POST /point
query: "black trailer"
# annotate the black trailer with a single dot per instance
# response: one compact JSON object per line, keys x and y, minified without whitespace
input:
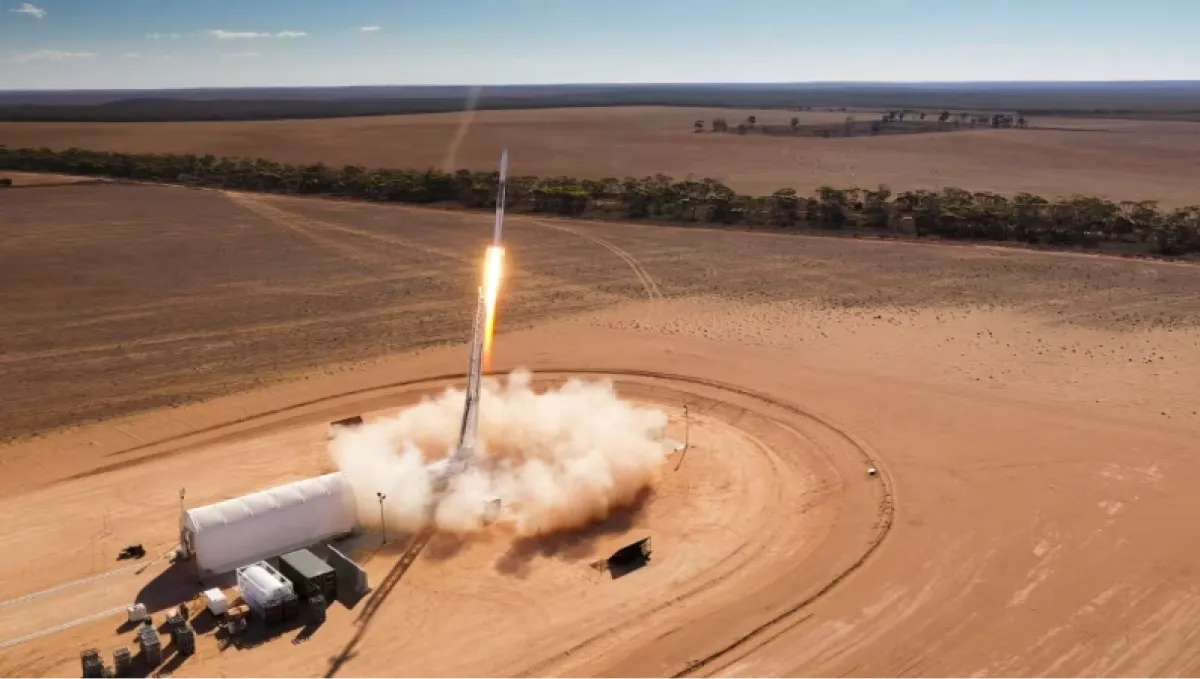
{"x":309,"y":574}
{"x":629,"y":558}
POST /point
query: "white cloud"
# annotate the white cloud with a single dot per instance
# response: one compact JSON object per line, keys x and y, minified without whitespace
{"x":370,"y":29}
{"x":222,"y":34}
{"x":30,"y":9}
{"x":50,"y":55}
{"x":235,"y":56}
{"x":162,"y":36}
{"x":132,"y":55}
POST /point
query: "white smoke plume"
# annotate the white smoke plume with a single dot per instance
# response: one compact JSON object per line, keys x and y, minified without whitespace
{"x":555,"y":460}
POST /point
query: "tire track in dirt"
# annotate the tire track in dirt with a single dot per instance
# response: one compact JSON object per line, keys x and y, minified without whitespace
{"x":643,"y":276}
{"x":131,"y":346}
{"x":316,"y":229}
{"x":304,"y":229}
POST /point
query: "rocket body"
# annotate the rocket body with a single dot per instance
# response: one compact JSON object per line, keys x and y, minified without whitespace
{"x":500,"y":190}
{"x":481,"y":328}
{"x":469,"y":429}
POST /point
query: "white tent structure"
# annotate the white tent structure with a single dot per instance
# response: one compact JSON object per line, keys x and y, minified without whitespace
{"x":237,"y":532}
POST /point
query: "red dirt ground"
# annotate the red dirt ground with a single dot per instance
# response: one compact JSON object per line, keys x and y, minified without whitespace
{"x":1033,"y":416}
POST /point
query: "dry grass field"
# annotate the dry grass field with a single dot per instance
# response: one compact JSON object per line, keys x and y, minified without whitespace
{"x":1033,"y":416}
{"x":1116,"y":159}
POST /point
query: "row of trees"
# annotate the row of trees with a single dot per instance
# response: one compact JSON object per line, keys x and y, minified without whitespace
{"x":950,"y":213}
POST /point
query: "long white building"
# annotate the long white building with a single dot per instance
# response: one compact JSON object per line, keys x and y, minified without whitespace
{"x":237,"y":532}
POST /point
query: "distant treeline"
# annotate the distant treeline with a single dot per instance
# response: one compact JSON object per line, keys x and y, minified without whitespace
{"x":1131,"y":99}
{"x":951,"y":213}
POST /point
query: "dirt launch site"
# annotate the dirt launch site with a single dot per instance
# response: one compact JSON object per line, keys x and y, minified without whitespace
{"x":1032,"y":417}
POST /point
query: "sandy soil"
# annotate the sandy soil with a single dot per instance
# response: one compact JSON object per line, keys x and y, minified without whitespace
{"x":1033,"y":415}
{"x":1119,"y":159}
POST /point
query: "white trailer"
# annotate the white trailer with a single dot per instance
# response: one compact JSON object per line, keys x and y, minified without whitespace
{"x":237,"y":532}
{"x":263,"y":586}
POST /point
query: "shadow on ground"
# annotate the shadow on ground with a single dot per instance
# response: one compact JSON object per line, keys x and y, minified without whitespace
{"x":375,"y":599}
{"x":573,"y":545}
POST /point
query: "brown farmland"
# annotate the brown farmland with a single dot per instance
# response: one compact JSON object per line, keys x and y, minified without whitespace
{"x":1033,"y":417}
{"x":1115,"y":159}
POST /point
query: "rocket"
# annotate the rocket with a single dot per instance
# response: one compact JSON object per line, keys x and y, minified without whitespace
{"x":464,"y":451}
{"x":500,"y":199}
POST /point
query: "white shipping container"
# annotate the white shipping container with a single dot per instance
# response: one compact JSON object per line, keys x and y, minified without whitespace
{"x":262,"y":586}
{"x":233,"y":533}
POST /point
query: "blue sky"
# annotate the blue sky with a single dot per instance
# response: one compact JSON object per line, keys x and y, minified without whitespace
{"x":53,"y":44}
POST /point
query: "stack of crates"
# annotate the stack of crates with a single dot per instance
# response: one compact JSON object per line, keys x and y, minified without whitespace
{"x":273,"y":613}
{"x":185,"y":640}
{"x":150,"y":644}
{"x":182,"y":634}
{"x":122,"y":662}
{"x":175,"y":620}
{"x":235,"y":626}
{"x":93,"y":666}
{"x":316,"y":605}
{"x":291,"y":606}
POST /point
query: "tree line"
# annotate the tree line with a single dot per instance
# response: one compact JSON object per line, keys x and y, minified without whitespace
{"x":950,"y":213}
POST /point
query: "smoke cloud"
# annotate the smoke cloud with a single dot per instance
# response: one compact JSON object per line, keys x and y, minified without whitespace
{"x":555,"y":460}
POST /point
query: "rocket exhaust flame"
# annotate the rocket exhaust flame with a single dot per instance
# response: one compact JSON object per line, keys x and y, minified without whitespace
{"x":493,"y":265}
{"x":493,"y":273}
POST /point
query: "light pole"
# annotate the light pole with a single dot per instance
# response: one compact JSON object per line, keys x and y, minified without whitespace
{"x":686,"y":427}
{"x":686,"y":437}
{"x":382,"y":525}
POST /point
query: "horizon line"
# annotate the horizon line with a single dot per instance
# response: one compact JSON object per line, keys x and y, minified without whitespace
{"x":910,"y":83}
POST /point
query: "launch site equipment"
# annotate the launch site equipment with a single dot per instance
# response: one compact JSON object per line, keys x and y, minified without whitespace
{"x":235,"y":627}
{"x":218,"y":603}
{"x":122,"y":662}
{"x":136,"y":612}
{"x":149,"y":644}
{"x":175,"y":620}
{"x":290,"y":606}
{"x":185,"y":640}
{"x":264,"y":589}
{"x":309,"y":574}
{"x":93,"y":666}
{"x":687,"y":427}
{"x":316,"y":607}
{"x":345,"y":423}
{"x":352,"y":579}
{"x":382,"y":522}
{"x":132,"y":552}
{"x":229,"y":534}
{"x":629,"y":558}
